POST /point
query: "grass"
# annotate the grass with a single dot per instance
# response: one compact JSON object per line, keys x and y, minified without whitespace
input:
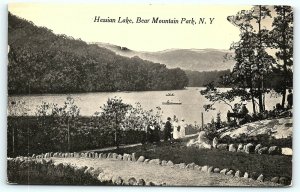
{"x":268,"y":165}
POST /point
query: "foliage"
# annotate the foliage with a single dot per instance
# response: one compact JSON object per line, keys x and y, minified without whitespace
{"x":42,"y":62}
{"x":200,"y":79}
{"x":255,"y":72}
{"x":215,"y":95}
{"x":60,"y":128}
{"x":282,"y":40}
{"x":116,"y":116}
{"x":30,"y":171}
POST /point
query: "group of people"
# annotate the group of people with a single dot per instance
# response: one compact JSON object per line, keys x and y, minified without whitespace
{"x":175,"y":130}
{"x":241,"y":113}
{"x":153,"y":130}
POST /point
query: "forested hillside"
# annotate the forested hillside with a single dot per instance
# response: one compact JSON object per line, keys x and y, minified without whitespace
{"x":200,"y":79}
{"x":43,"y":62}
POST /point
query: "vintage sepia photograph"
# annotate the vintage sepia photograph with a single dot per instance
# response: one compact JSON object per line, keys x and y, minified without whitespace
{"x":150,"y":95}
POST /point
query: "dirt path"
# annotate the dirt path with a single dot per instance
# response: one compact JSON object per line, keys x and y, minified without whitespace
{"x":127,"y":146}
{"x":161,"y":174}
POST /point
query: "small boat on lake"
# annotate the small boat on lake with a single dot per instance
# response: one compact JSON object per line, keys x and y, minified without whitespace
{"x":171,"y":103}
{"x":170,"y":94}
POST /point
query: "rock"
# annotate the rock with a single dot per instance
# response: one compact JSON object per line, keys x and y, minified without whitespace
{"x":260,"y":178}
{"x":215,"y":142}
{"x":257,"y":148}
{"x":120,"y":157}
{"x":232,"y":148}
{"x":155,"y":161}
{"x":204,"y":146}
{"x":249,"y":148}
{"x":246,"y":175}
{"x":238,"y":173}
{"x":108,"y":155}
{"x":117,"y":180}
{"x":222,"y":147}
{"x":240,"y":148}
{"x":284,"y":181}
{"x":115,"y":156}
{"x":133,"y":158}
{"x":201,"y":142}
{"x":104,"y":156}
{"x":104,"y":177}
{"x":275,"y":180}
{"x":132,"y":181}
{"x":274,"y":150}
{"x":141,"y":182}
{"x":170,"y":163}
{"x":141,"y":159}
{"x":204,"y":168}
{"x":151,"y":184}
{"x":191,"y":143}
{"x":96,"y":155}
{"x":33,"y":156}
{"x":164,"y":163}
{"x":100,"y":155}
{"x":146,"y":161}
{"x":202,"y":137}
{"x":210,"y":169}
{"x":216,"y":170}
{"x":182,"y":165}
{"x":129,"y":158}
{"x":286,"y":151}
{"x":197,"y":167}
{"x":190,"y":166}
{"x":224,"y":171}
{"x":125,"y":157}
{"x":263,"y":150}
{"x":230,"y":173}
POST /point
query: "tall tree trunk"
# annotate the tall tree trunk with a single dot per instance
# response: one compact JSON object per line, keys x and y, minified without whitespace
{"x":253,"y":100}
{"x":69,"y":146}
{"x":285,"y":71}
{"x":260,"y":97}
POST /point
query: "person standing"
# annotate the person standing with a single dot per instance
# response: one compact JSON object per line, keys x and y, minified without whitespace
{"x":176,"y":129}
{"x":156,"y":137}
{"x":168,"y":130}
{"x":290,"y":99}
{"x":182,"y":129}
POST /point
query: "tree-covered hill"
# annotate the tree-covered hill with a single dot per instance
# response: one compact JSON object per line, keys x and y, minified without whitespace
{"x":43,"y":62}
{"x":201,"y":79}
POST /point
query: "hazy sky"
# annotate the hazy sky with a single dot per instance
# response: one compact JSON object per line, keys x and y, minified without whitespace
{"x":77,"y":20}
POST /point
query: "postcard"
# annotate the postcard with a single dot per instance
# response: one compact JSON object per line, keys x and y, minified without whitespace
{"x":150,"y":95}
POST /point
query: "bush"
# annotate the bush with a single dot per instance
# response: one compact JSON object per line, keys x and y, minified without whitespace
{"x":30,"y":171}
{"x":33,"y":137}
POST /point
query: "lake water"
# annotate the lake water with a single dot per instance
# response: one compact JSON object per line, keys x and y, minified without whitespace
{"x":190,"y":109}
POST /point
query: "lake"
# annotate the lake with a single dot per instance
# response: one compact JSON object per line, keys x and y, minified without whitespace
{"x":190,"y":109}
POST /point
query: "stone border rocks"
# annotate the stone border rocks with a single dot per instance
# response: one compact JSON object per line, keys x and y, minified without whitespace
{"x":105,"y":177}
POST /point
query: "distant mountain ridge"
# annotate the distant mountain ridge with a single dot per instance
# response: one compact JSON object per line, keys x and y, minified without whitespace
{"x":187,"y":59}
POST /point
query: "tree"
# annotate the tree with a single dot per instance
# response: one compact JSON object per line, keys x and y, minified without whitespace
{"x":282,"y":41}
{"x":112,"y":115}
{"x":253,"y":62}
{"x":64,"y":116}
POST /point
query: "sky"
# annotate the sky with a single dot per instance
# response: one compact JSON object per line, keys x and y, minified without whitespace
{"x":77,"y":20}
